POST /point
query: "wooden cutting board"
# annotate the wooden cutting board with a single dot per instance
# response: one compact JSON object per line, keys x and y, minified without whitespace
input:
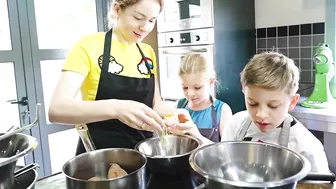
{"x":316,"y":186}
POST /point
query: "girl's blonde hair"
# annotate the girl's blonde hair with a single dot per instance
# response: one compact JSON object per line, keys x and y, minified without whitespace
{"x":111,"y":18}
{"x":197,"y":63}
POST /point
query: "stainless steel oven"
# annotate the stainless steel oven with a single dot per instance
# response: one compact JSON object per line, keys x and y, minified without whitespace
{"x":172,"y":48}
{"x":186,"y":14}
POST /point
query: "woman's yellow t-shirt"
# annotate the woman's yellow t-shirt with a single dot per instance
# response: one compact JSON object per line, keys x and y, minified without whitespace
{"x":86,"y":58}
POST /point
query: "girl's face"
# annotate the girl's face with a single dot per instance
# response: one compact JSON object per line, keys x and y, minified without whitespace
{"x":196,"y":87}
{"x":135,"y":22}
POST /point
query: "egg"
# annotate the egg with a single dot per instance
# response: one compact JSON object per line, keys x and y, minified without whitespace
{"x":171,"y":119}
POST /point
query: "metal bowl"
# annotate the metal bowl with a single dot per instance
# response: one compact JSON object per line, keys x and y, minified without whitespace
{"x":169,"y":157}
{"x":11,"y":149}
{"x":97,"y":163}
{"x":249,"y":165}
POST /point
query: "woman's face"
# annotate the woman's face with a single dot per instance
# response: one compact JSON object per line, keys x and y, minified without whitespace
{"x":135,"y":22}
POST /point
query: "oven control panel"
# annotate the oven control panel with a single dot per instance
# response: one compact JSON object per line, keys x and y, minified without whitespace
{"x":190,"y":37}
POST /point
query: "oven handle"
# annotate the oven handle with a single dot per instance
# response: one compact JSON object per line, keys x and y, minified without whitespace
{"x":179,"y":52}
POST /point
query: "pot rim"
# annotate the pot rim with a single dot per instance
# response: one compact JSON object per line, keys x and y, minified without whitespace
{"x":173,"y":156}
{"x":306,"y":167}
{"x":32,"y":145}
{"x":102,"y":150}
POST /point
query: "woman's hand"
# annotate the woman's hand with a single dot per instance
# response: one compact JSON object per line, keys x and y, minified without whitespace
{"x":139,"y":116}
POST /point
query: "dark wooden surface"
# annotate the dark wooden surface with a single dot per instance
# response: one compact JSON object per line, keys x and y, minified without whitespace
{"x":57,"y":181}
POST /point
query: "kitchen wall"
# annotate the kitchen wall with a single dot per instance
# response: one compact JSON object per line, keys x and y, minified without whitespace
{"x":293,"y":28}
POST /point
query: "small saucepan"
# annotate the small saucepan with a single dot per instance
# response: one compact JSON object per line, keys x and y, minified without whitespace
{"x":96,"y":163}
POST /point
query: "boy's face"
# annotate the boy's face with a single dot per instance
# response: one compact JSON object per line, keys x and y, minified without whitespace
{"x":268,"y":108}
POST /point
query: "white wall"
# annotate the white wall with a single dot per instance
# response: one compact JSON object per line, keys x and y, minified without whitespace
{"x":270,"y":13}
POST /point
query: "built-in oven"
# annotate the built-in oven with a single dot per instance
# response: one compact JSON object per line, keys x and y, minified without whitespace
{"x":185,"y":15}
{"x":173,"y":47}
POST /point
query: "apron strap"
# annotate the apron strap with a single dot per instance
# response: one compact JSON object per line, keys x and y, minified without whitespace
{"x":285,"y":132}
{"x":215,"y":124}
{"x":145,"y":59}
{"x":243,"y":130}
{"x":107,"y":51}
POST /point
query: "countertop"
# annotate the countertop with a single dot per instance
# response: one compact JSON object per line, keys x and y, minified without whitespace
{"x":316,"y":119}
{"x":57,"y":181}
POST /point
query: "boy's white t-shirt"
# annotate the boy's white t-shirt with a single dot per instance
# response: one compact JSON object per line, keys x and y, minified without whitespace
{"x":300,"y":140}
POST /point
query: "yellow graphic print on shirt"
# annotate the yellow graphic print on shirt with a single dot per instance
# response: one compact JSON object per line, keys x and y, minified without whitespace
{"x":125,"y":60}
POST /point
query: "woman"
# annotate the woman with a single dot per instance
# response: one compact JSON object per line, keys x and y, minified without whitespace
{"x":117,"y":78}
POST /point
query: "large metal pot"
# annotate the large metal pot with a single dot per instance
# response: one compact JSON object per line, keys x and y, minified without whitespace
{"x":13,"y":146}
{"x":170,"y":157}
{"x":97,"y":163}
{"x":233,"y":165}
{"x":11,"y":149}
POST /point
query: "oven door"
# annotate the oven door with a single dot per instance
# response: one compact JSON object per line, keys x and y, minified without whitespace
{"x":185,"y":14}
{"x":169,"y":63}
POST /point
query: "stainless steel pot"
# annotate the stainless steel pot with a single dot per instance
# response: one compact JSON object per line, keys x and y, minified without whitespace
{"x":169,"y":157}
{"x":13,"y":146}
{"x":97,"y":162}
{"x":233,"y":165}
{"x":26,"y":177}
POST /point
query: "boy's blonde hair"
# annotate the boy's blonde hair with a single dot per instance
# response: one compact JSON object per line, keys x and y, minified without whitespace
{"x":271,"y":70}
{"x":195,"y":63}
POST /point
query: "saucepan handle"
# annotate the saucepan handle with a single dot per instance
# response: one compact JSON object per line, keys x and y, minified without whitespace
{"x":84,"y":134}
{"x":320,"y":177}
{"x":202,"y":186}
{"x":14,"y":131}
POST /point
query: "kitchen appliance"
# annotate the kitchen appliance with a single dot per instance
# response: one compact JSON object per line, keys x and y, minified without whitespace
{"x":170,"y":157}
{"x":13,"y":146}
{"x":325,"y":71}
{"x":186,"y":14}
{"x":229,"y":42}
{"x":240,"y":164}
{"x":96,"y":163}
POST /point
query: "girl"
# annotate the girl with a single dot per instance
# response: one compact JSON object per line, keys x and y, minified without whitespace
{"x":198,"y":82}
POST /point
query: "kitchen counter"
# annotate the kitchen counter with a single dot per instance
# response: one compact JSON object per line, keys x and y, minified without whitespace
{"x":57,"y":181}
{"x":316,"y":119}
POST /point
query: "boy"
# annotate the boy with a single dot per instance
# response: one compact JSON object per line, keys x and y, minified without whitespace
{"x":269,"y":83}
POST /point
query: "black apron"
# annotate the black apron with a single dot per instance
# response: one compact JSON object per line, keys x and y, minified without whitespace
{"x":211,"y":133}
{"x":114,"y":133}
